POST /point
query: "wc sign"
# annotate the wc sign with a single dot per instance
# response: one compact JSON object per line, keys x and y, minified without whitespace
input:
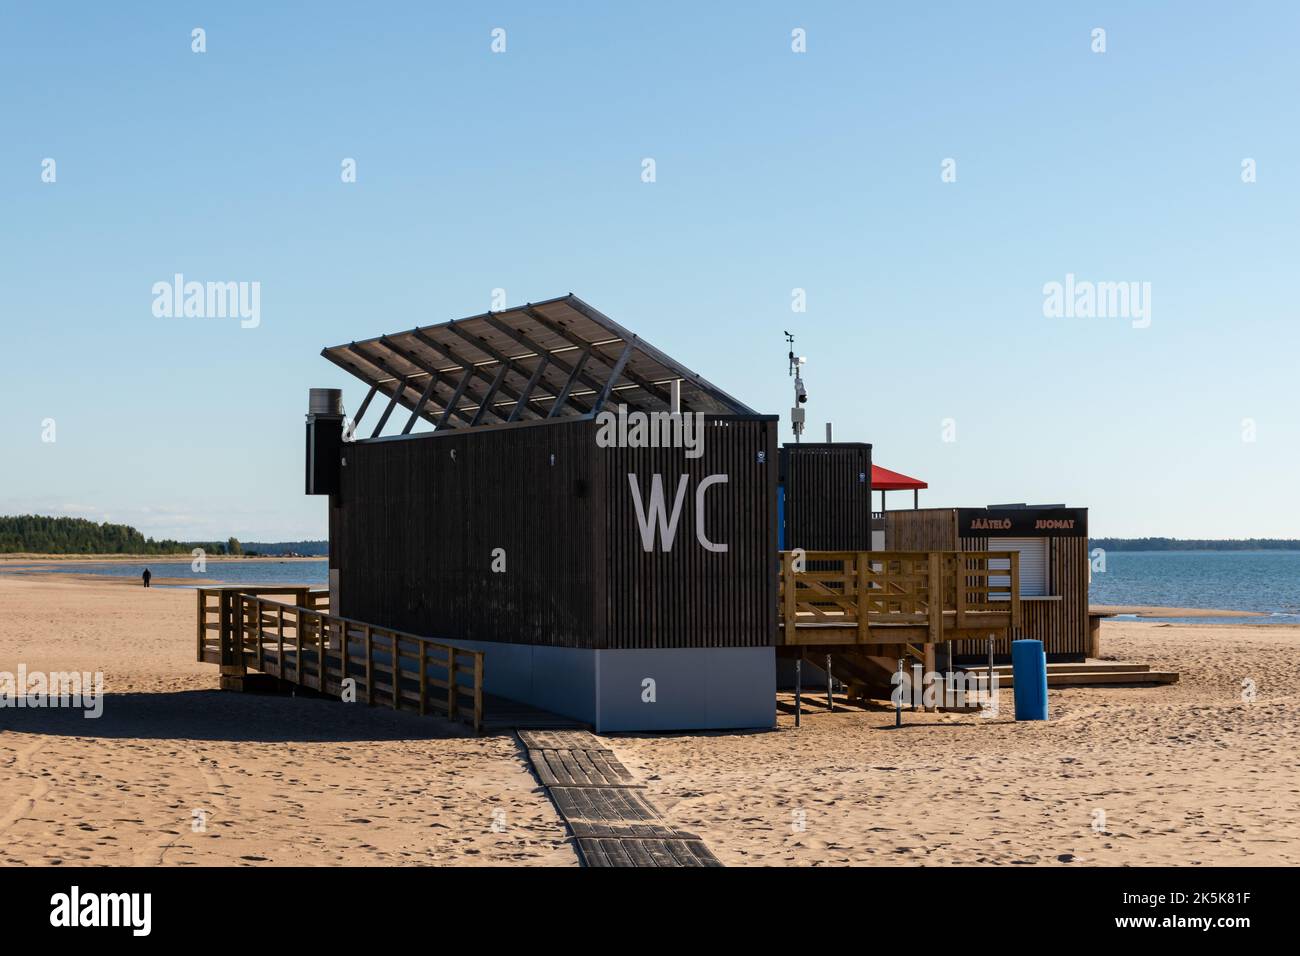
{"x":655,"y":520}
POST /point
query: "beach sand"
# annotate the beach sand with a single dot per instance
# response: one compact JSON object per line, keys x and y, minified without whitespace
{"x":1184,"y":774}
{"x":277,"y":780}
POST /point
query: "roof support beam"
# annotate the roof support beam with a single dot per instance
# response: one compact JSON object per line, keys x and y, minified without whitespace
{"x":483,"y":345}
{"x":542,"y":361}
{"x":382,"y":365}
{"x":650,"y":352}
{"x":614,"y":373}
{"x":601,"y":354}
{"x":564,"y":395}
{"x":365,"y":403}
{"x":555,"y":360}
{"x":455,"y":398}
{"x":496,"y":383}
{"x":383,"y":419}
{"x":463,"y":362}
{"x":419,"y":406}
{"x":353,"y":368}
{"x":407,"y":356}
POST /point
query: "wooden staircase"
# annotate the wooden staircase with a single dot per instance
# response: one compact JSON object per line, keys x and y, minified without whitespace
{"x":1088,"y":674}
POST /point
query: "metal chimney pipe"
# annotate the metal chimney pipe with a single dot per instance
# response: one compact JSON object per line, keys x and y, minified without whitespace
{"x":828,"y":433}
{"x":325,"y":401}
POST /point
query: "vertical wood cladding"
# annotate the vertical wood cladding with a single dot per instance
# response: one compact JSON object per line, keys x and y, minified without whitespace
{"x":690,"y":596}
{"x":420,"y":518}
{"x":423,"y":516}
{"x":926,"y":529}
{"x":827,"y":496}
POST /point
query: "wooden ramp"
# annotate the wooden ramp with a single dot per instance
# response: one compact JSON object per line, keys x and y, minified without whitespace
{"x":604,"y":807}
{"x":241,"y":631}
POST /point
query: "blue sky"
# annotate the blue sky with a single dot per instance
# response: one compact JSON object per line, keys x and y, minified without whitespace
{"x":775,"y":171}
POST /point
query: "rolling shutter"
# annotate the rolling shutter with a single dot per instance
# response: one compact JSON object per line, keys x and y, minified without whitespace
{"x":1033,"y":564}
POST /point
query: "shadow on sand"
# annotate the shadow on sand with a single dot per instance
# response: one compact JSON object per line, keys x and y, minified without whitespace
{"x":227,"y":716}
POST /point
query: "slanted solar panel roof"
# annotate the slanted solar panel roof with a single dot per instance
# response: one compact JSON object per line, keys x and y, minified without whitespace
{"x":546,"y":360}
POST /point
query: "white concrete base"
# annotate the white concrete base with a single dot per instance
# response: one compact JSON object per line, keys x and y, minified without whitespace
{"x":714,"y":688}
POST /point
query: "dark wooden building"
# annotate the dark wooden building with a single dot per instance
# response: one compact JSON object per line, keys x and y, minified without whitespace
{"x":825,"y":497}
{"x":598,"y":519}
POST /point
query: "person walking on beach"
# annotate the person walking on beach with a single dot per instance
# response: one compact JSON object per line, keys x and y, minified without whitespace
{"x":146,"y":576}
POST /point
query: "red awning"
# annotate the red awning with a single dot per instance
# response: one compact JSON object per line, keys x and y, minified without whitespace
{"x":882,"y":479}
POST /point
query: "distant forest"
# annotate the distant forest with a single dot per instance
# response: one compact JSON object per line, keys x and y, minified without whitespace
{"x":41,"y":534}
{"x":312,"y":548}
{"x":1195,"y":544}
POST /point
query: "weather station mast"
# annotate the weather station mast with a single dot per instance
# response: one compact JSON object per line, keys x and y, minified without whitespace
{"x":797,"y":413}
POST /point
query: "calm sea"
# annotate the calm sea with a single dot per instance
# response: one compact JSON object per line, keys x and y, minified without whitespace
{"x":1267,"y":581}
{"x":222,"y":572}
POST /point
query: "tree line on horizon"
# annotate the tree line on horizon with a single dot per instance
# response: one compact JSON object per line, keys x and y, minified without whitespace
{"x":1195,"y":544}
{"x":307,"y":548}
{"x":44,"y":534}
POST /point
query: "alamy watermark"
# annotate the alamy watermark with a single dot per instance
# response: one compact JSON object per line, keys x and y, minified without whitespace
{"x":127,"y":910}
{"x":208,"y":300}
{"x":71,"y":689}
{"x":624,"y":429}
{"x":956,"y":690}
{"x":1084,"y":299}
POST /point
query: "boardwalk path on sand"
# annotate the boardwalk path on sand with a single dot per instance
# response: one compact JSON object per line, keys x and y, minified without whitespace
{"x":605,"y":808}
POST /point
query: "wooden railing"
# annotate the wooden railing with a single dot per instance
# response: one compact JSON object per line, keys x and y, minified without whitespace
{"x":930,"y":596}
{"x":217,"y":607}
{"x":318,"y":650}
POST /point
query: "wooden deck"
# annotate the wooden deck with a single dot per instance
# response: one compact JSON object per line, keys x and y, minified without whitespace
{"x":604,"y":807}
{"x":867,"y":610}
{"x":896,"y":597}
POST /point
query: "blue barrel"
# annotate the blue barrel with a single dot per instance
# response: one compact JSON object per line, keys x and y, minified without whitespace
{"x":1029,"y":676}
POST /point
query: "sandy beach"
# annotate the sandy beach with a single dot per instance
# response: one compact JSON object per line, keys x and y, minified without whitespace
{"x":1186,"y":774}
{"x":177,"y":773}
{"x":278,"y":780}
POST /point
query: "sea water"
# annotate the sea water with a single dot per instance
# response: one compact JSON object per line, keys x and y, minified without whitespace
{"x":269,"y":572}
{"x":1266,"y":581}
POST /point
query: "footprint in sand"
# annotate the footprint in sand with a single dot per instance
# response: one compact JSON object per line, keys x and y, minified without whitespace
{"x":214,"y":787}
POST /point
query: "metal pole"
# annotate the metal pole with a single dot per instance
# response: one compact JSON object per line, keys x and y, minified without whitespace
{"x":798,"y":690}
{"x":898,"y":699}
{"x":989,"y":693}
{"x":830,"y":697}
{"x":952,"y":679}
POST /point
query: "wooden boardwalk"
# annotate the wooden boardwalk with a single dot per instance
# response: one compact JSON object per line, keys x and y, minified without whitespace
{"x":502,"y":713}
{"x":611,"y":820}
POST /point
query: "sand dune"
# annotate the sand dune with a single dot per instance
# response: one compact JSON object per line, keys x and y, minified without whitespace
{"x":1185,"y":774}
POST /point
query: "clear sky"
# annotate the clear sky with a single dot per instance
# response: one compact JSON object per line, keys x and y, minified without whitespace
{"x":775,"y":170}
